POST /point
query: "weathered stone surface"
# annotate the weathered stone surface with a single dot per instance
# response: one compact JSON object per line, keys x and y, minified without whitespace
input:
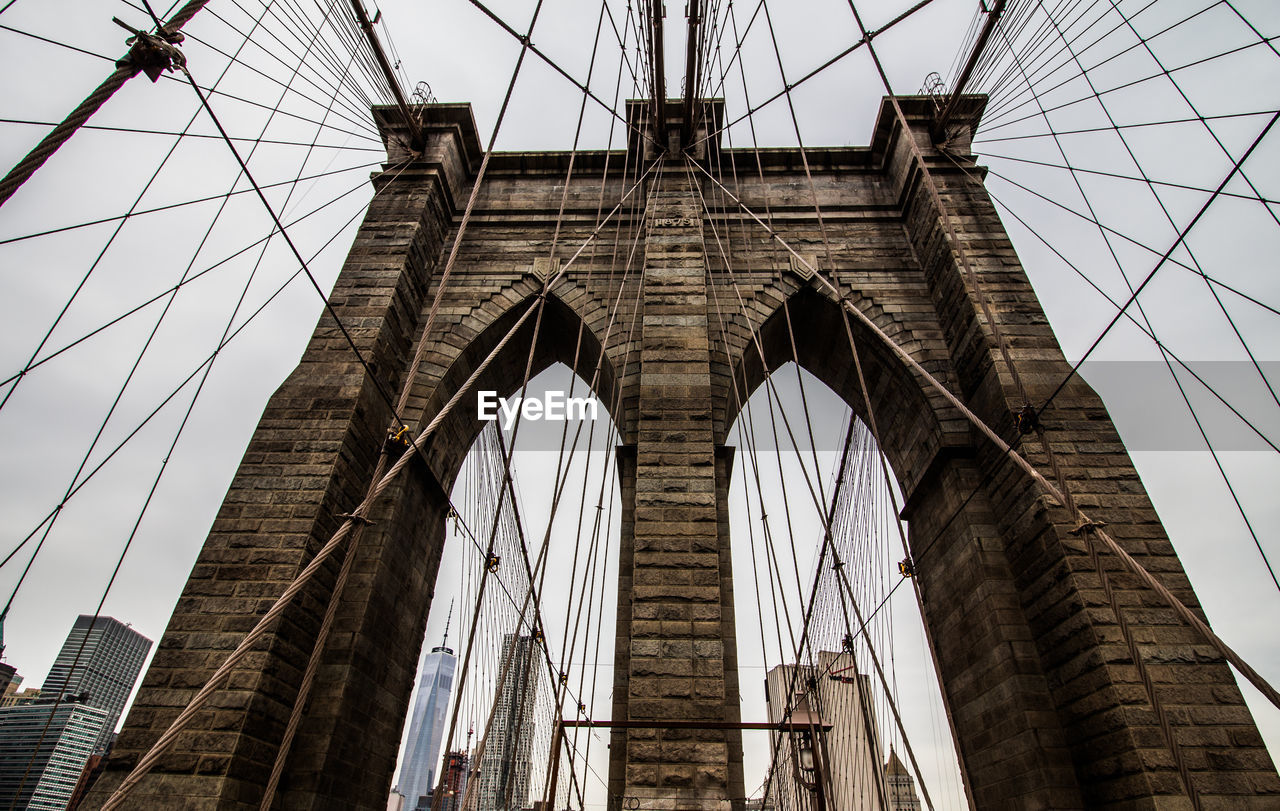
{"x":1034,"y":635}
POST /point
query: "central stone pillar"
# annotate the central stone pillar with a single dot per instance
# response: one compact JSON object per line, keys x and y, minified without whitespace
{"x":676,"y":657}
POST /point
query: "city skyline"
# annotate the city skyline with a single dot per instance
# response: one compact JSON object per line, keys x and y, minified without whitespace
{"x":43,"y":751}
{"x":46,"y":739}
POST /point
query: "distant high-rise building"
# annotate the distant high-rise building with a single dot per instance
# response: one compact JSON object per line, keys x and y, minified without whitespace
{"x":454,"y":786}
{"x":902,"y":786}
{"x":427,"y":726}
{"x":506,"y":763}
{"x":833,"y":695}
{"x":762,"y":803}
{"x":101,"y":658}
{"x":13,"y":696}
{"x":44,"y":747}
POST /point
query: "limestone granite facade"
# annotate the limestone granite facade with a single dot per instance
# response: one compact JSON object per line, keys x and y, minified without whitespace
{"x":1036,"y":648}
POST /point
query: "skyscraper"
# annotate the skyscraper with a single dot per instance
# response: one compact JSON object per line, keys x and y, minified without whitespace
{"x":43,"y":750}
{"x":102,"y":657}
{"x":833,"y":695}
{"x":508,"y":749}
{"x":427,"y":726}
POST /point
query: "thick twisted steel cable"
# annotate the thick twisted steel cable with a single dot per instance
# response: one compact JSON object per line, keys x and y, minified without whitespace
{"x":26,"y":167}
{"x":1008,"y":451}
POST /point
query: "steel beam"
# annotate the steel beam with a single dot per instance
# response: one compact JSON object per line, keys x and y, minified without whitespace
{"x":979,"y":45}
{"x":659,"y":88}
{"x":411,"y":121}
{"x":692,"y":71}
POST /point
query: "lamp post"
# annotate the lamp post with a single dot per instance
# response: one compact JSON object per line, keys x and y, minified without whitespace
{"x":809,"y":764}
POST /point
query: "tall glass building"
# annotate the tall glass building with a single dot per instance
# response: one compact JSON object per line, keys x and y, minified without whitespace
{"x":427,"y":727}
{"x":43,"y":750}
{"x":101,"y":658}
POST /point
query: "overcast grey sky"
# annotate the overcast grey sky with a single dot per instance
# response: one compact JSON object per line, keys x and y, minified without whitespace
{"x":53,"y":415}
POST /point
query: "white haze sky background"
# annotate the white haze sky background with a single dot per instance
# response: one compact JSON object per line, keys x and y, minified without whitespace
{"x":55,"y":412}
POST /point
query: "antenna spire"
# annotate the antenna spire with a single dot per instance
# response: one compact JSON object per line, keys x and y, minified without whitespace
{"x":447,"y":620}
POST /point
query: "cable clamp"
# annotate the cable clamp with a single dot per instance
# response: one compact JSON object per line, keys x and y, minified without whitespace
{"x":492,"y":563}
{"x":397,"y":442}
{"x":152,"y":54}
{"x":356,"y":519}
{"x":1087,"y":526}
{"x":1027,"y":420}
{"x":906,"y":568}
{"x":538,"y":637}
{"x":564,"y":678}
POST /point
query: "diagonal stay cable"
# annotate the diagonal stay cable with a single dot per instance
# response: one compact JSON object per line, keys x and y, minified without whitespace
{"x":1131,"y":240}
{"x":1184,"y":365}
{"x":1007,"y":451}
{"x":1004,"y":92}
{"x":83,"y":482}
{"x":1266,"y":201}
{"x":1182,"y":235}
{"x":528,"y":44}
{"x":147,"y":131}
{"x":1153,"y":698}
{"x":816,"y":71}
{"x":983,"y":139}
{"x":55,"y":139}
{"x":110,"y":241}
{"x":354,"y":115}
{"x":196,"y":201}
{"x":1168,"y":354}
{"x":1225,"y":312}
{"x":1124,"y":85}
{"x":136,"y":308}
{"x":164,"y":466}
{"x":328,"y":305}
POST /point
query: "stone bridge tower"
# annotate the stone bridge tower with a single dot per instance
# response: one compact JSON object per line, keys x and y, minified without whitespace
{"x":1049,"y":668}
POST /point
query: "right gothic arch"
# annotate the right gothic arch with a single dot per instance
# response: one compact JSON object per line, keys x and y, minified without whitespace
{"x":1067,"y":683}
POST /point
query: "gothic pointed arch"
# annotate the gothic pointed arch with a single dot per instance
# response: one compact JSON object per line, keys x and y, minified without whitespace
{"x":812,"y":330}
{"x":562,"y":336}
